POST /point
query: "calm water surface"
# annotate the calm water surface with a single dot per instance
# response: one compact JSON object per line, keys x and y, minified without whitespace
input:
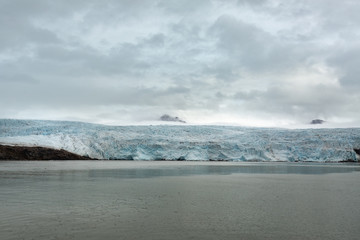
{"x":178,"y":200}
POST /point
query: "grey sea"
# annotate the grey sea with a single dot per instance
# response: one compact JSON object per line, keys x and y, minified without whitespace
{"x":178,"y":200}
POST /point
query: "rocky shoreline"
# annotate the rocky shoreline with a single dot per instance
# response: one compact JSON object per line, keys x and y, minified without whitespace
{"x":23,"y":153}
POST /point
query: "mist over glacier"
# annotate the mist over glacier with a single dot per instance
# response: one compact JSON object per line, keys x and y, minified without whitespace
{"x":185,"y":142}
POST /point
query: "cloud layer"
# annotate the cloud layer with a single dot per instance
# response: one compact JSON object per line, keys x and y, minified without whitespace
{"x":263,"y":62}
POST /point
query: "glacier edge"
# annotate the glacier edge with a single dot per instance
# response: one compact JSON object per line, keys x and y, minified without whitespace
{"x":185,"y":142}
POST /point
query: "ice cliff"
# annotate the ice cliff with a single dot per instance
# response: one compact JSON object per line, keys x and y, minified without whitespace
{"x":185,"y":142}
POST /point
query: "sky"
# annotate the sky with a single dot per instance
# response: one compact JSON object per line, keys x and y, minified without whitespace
{"x":240,"y":62}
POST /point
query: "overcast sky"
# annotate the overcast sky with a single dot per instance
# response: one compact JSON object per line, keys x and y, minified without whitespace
{"x":247,"y":62}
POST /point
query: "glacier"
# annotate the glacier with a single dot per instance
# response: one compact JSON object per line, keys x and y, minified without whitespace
{"x":185,"y":142}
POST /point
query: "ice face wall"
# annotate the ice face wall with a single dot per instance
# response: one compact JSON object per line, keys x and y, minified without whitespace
{"x":186,"y":142}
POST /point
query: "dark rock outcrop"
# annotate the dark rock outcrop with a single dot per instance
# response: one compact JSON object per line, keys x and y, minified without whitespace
{"x":37,"y":153}
{"x":169,"y":118}
{"x":317,"y":121}
{"x":357,"y":151}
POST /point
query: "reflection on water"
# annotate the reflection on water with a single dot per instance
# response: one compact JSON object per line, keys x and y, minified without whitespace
{"x":128,"y":169}
{"x":222,"y":170}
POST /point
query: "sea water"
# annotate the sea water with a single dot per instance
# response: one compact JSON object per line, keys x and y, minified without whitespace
{"x":178,"y":200}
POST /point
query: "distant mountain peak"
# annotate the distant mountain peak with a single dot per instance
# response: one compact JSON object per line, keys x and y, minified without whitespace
{"x":169,"y":118}
{"x":317,"y":121}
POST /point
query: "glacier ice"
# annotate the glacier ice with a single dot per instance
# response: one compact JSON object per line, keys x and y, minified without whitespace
{"x":185,"y":142}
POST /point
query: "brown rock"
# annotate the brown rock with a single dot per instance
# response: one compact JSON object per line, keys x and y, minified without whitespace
{"x":37,"y":153}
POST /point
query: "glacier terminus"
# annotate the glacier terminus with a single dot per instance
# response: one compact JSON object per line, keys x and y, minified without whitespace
{"x":185,"y":142}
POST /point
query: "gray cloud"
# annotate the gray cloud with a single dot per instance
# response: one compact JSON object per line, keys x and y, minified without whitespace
{"x":224,"y":60}
{"x":347,"y":63}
